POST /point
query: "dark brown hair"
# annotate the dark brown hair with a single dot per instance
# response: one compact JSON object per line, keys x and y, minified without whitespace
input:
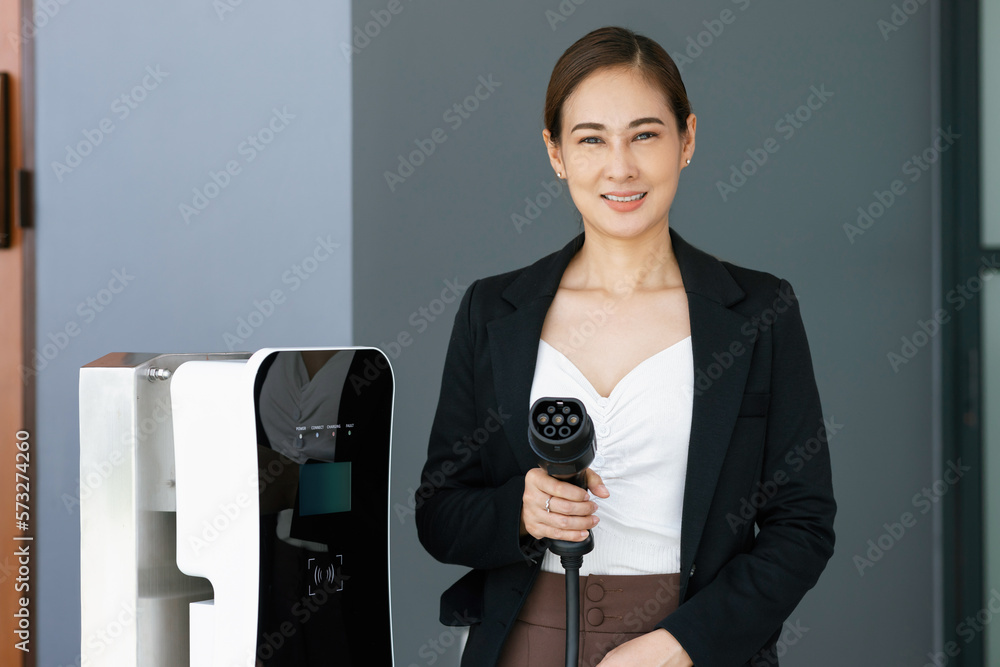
{"x":614,"y":47}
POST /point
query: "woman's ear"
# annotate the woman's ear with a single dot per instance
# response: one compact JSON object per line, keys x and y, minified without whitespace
{"x":555,"y":154}
{"x":687,"y":141}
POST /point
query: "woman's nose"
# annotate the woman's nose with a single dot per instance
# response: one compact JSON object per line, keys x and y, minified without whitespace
{"x":621,"y":164}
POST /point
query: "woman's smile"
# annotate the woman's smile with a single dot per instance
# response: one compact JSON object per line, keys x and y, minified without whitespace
{"x":624,"y":202}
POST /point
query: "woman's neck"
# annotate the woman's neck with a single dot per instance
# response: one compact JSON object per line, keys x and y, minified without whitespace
{"x":616,"y":265}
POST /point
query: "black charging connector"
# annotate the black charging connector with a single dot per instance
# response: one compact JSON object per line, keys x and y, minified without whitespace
{"x":562,"y":436}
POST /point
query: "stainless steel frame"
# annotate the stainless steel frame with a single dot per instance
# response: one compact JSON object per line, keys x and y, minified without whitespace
{"x":134,"y":600}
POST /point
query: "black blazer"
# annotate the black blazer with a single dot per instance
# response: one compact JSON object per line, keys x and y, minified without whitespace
{"x":758,"y":455}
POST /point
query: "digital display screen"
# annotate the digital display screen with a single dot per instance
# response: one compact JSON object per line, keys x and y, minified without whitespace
{"x":324,"y":488}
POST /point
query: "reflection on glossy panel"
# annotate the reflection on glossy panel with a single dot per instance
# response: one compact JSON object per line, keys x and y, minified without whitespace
{"x":324,"y":425}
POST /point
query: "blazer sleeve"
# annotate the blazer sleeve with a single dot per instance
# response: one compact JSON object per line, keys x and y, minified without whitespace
{"x":736,"y":614}
{"x":463,"y":517}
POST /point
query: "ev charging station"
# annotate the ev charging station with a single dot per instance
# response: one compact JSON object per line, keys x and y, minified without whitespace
{"x":234,"y":508}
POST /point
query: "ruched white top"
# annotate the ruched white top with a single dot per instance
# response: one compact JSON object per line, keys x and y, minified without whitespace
{"x":642,"y":431}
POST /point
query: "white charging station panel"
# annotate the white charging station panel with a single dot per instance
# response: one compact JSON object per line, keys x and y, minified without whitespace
{"x":251,"y":498}
{"x":217,"y":505}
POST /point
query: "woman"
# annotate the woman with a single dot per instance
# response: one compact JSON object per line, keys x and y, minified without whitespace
{"x":698,"y":376}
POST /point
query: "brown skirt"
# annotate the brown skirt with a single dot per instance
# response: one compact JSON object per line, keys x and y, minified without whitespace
{"x":613,"y":610}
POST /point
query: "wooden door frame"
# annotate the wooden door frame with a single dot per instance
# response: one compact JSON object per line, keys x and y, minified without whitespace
{"x":17,"y":333}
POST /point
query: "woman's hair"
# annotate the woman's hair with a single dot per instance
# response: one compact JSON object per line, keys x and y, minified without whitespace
{"x":614,"y":47}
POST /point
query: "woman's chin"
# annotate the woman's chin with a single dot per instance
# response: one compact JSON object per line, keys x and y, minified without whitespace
{"x":626,"y":228}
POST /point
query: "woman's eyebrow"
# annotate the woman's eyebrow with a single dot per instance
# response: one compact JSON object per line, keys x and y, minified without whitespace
{"x":598,"y":126}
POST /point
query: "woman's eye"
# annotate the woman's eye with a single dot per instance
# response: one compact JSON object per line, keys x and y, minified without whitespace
{"x":642,"y":136}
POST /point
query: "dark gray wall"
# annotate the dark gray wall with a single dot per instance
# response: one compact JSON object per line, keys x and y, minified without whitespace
{"x":221,"y":76}
{"x":451,"y":220}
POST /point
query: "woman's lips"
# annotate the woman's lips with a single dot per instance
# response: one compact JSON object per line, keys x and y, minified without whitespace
{"x":623,"y":202}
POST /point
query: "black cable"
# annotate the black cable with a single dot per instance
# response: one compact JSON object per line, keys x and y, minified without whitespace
{"x":572,"y":611}
{"x":571,"y":556}
{"x":572,"y":615}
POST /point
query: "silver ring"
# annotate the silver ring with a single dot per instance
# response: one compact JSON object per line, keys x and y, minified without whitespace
{"x":547,"y":504}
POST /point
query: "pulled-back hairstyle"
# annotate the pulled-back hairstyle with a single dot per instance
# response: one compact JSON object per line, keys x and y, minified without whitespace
{"x":614,"y":47}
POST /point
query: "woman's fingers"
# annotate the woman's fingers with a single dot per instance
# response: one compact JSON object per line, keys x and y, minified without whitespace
{"x":559,"y":526}
{"x":550,"y":486}
{"x":596,"y":484}
{"x":570,"y":512}
{"x":566,"y":535}
{"x":568,"y":507}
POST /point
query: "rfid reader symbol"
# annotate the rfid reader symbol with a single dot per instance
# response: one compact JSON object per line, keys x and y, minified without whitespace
{"x":321,"y":576}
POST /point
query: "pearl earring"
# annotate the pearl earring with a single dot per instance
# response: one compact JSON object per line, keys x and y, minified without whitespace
{"x":558,"y":174}
{"x":689,"y":160}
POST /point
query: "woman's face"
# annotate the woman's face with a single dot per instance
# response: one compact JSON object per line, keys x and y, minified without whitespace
{"x":620,"y":142}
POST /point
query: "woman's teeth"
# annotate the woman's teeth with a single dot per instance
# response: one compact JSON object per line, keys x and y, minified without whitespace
{"x":632,"y":198}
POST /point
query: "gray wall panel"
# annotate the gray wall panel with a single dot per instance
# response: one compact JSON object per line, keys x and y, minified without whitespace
{"x":452,"y":219}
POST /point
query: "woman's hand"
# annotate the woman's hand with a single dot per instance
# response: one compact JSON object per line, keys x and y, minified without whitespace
{"x":658,"y":648}
{"x":571,"y":512}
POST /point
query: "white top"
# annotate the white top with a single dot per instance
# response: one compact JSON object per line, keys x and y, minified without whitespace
{"x":642,"y":431}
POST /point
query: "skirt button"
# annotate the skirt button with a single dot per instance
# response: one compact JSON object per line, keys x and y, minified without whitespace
{"x":595,"y":593}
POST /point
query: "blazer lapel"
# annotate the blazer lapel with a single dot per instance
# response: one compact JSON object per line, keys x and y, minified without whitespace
{"x":514,"y":343}
{"x":718,"y":389}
